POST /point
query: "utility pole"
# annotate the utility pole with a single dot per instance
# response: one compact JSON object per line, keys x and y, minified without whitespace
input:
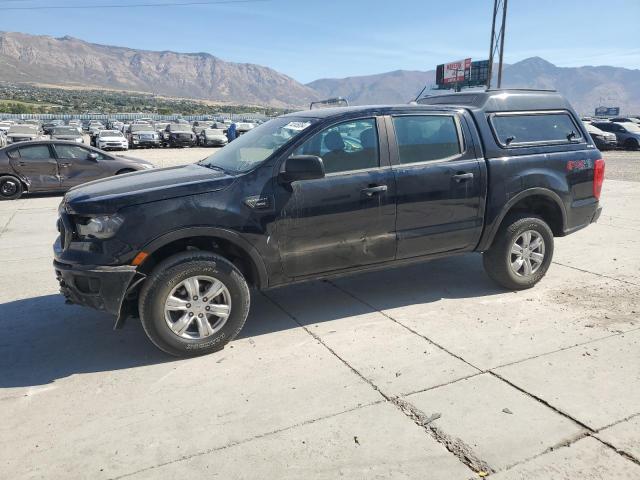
{"x":497,"y":39}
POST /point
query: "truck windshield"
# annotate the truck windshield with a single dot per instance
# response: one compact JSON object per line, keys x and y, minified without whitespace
{"x":255,"y":146}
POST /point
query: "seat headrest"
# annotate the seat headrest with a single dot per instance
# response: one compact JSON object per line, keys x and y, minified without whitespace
{"x":333,"y":141}
{"x":368,"y":138}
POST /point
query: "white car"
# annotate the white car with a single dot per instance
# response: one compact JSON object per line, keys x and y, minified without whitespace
{"x":5,"y":126}
{"x":111,"y":140}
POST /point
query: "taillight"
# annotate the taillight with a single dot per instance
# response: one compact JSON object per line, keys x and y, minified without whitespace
{"x":598,"y":177}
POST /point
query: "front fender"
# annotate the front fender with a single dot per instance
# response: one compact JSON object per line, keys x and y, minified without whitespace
{"x":213,"y":232}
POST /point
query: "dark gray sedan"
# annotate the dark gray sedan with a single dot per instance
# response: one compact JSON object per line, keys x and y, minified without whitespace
{"x":56,"y":166}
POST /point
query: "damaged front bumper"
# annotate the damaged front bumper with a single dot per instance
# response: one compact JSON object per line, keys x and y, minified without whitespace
{"x":99,"y":287}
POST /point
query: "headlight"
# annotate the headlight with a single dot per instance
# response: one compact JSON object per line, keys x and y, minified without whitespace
{"x":101,"y":227}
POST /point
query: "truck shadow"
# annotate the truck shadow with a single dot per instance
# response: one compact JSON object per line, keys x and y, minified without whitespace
{"x":45,"y":340}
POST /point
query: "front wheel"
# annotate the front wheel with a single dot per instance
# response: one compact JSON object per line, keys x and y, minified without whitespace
{"x":521,"y":252}
{"x":10,"y":188}
{"x":194,"y":303}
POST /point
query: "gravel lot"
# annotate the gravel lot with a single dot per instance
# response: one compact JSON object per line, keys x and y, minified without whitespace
{"x":428,"y":371}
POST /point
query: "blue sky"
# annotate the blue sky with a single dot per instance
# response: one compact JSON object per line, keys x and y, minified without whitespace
{"x":310,"y":39}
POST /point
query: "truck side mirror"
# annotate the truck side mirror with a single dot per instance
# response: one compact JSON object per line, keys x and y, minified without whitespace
{"x":303,"y":167}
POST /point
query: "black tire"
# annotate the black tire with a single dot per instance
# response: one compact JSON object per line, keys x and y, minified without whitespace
{"x":631,"y":144}
{"x":169,"y":274}
{"x":497,"y":260}
{"x":10,"y":188}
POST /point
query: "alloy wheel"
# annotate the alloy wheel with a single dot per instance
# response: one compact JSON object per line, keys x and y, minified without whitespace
{"x":527,"y":253}
{"x":197,"y":307}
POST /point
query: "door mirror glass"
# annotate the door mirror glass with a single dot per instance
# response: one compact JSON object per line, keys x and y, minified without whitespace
{"x":93,"y":156}
{"x":303,"y":167}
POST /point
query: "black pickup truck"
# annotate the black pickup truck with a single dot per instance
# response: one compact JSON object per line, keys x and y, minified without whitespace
{"x":324,"y":193}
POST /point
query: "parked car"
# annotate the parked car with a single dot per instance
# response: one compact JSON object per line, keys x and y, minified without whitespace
{"x":3,"y":139}
{"x":22,"y":133}
{"x":66,"y":133}
{"x":95,"y":127}
{"x":49,"y":126}
{"x":243,"y":127}
{"x":199,"y":125}
{"x":603,"y":140}
{"x":56,"y":166}
{"x":628,"y":134}
{"x":211,"y":137}
{"x":142,"y":135}
{"x":179,"y":135}
{"x":625,"y":120}
{"x":282,"y":205}
{"x":111,"y":140}
{"x":5,"y":126}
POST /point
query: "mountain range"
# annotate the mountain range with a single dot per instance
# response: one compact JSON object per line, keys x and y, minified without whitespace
{"x":69,"y":61}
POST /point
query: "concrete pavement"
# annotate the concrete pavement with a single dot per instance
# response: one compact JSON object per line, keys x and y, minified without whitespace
{"x":429,"y":371}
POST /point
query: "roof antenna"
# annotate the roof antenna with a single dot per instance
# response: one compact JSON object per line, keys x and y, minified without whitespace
{"x":420,"y":94}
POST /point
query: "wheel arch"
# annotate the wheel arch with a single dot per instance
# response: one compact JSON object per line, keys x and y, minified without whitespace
{"x":226,"y":242}
{"x":542,"y":202}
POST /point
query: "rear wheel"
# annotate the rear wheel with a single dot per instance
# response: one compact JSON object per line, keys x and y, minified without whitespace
{"x":194,"y":303}
{"x":521,"y":252}
{"x":10,"y":188}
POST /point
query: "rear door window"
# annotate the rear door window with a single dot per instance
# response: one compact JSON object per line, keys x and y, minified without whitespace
{"x":534,"y":128}
{"x":35,"y":152}
{"x":423,"y":138}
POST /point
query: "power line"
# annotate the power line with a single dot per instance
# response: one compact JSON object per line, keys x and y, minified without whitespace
{"x":135,"y":5}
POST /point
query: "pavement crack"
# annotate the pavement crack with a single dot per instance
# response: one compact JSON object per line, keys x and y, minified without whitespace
{"x":6,"y":225}
{"x":619,"y":451}
{"x":456,"y":446}
{"x":246,"y":440}
{"x":596,"y":274}
{"x":432,"y":342}
{"x":569,"y":347}
{"x":544,"y":402}
{"x":626,"y":419}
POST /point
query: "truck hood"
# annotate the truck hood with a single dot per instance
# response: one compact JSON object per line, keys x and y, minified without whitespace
{"x":111,"y":194}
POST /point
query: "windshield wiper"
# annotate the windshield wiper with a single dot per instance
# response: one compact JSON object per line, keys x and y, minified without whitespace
{"x":212,"y":167}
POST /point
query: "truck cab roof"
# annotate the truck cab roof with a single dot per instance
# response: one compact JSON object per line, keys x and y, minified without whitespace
{"x":502,"y":100}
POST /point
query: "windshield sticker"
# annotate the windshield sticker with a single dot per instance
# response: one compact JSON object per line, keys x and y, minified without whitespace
{"x":297,"y":125}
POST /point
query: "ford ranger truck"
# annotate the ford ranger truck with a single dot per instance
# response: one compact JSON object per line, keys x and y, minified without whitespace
{"x":329,"y":192}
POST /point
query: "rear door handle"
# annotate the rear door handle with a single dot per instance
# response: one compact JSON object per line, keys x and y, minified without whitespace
{"x":462,"y":177}
{"x":371,"y":191}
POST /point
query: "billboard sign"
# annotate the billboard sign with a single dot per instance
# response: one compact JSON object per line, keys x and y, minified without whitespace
{"x":455,"y":72}
{"x":607,"y":111}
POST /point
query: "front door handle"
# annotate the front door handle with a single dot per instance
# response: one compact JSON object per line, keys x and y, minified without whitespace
{"x":371,"y":191}
{"x":65,"y":164}
{"x":462,"y":177}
